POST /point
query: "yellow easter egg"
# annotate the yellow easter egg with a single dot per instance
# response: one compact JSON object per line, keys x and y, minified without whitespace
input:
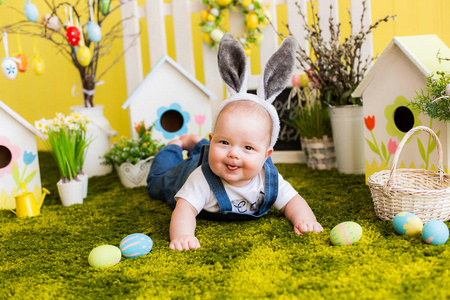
{"x":223,"y":2}
{"x":248,"y":51}
{"x":210,"y":18}
{"x":252,"y":21}
{"x":38,"y":65}
{"x":207,"y":38}
{"x":204,"y":14}
{"x":84,"y":56}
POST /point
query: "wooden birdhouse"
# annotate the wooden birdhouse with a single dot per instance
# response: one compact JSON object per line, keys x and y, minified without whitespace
{"x":18,"y":157}
{"x":173,"y":100}
{"x":392,"y":81}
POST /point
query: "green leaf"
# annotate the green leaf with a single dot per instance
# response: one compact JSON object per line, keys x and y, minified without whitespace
{"x":383,"y":149}
{"x":16,"y":174}
{"x":30,"y":177}
{"x":422,"y":150}
{"x":373,"y":147}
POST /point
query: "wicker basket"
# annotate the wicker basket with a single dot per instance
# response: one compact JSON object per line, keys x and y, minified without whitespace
{"x":421,"y":192}
{"x":319,"y":153}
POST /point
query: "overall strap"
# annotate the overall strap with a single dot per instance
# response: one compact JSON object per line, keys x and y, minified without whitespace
{"x":271,"y":185}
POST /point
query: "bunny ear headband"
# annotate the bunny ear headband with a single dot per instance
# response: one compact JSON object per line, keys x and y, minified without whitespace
{"x":233,"y":70}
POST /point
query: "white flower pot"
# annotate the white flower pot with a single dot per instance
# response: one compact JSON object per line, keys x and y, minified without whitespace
{"x":100,"y":132}
{"x":134,"y":175}
{"x":347,"y":124}
{"x":70,"y":192}
{"x":85,"y":180}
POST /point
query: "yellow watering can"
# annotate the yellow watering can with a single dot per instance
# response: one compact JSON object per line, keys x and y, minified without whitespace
{"x":26,"y":204}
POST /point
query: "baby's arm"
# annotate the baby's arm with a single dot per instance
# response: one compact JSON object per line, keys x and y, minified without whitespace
{"x":182,"y":227}
{"x":298,"y":212}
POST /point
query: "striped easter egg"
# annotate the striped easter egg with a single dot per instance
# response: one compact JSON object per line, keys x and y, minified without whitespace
{"x":136,"y":244}
{"x":346,"y":233}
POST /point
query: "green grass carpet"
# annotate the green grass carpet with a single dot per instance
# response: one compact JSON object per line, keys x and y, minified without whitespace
{"x":46,"y":257}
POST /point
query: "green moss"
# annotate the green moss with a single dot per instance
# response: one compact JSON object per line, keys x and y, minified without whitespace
{"x":45,"y":257}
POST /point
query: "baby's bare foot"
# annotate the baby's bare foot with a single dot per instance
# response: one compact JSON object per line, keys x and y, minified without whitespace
{"x":189,"y":141}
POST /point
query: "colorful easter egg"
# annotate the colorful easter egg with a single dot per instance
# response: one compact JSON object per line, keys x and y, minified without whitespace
{"x":9,"y":68}
{"x":296,"y":80}
{"x":103,"y":6}
{"x":216,"y":35}
{"x":135,"y":245}
{"x":406,"y":223}
{"x":22,"y":65}
{"x":94,"y":31}
{"x":73,"y":35}
{"x":31,"y":11}
{"x":346,"y":233}
{"x":38,"y":65}
{"x":435,"y":232}
{"x":104,"y":256}
{"x":84,"y":56}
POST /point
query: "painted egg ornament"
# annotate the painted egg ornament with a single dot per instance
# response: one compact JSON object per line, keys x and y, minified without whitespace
{"x":73,"y":35}
{"x":9,"y":67}
{"x":304,"y":80}
{"x":104,"y":256}
{"x":22,"y":65}
{"x":216,"y":35}
{"x":53,"y":23}
{"x":435,"y":232}
{"x":103,"y":6}
{"x":346,"y":233}
{"x":31,"y":11}
{"x":252,"y":21}
{"x":295,"y":80}
{"x":406,"y":223}
{"x":84,"y":56}
{"x":135,"y":245}
{"x":94,"y":31}
{"x":38,"y":65}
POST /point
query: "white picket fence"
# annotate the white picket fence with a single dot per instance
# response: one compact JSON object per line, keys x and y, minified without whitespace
{"x":154,"y":12}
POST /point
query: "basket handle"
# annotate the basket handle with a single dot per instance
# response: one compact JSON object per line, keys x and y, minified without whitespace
{"x":400,"y":147}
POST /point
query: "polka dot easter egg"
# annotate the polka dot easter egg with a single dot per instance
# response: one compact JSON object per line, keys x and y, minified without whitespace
{"x":435,"y":232}
{"x":346,"y":233}
{"x":104,"y":256}
{"x":406,"y":223}
{"x":135,"y":245}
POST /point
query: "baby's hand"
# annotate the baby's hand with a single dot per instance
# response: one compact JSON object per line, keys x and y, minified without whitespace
{"x":304,"y":226}
{"x":184,"y":242}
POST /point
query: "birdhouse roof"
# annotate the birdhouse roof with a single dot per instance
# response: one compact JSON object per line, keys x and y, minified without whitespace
{"x":154,"y":71}
{"x":421,"y":50}
{"x":21,"y":120}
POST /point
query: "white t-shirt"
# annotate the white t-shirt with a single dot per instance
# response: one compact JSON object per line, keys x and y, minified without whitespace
{"x":246,"y":199}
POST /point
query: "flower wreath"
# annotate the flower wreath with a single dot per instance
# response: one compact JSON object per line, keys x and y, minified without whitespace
{"x":256,"y":18}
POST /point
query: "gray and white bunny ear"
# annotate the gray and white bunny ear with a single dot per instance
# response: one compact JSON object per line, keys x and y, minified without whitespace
{"x":232,"y":64}
{"x":278,"y":70}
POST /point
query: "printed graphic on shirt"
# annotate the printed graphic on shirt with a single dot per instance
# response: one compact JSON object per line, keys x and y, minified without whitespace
{"x":245,"y":206}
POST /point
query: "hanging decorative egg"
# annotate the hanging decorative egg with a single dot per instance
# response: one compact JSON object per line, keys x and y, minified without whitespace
{"x":31,"y":11}
{"x":22,"y":65}
{"x":9,"y":67}
{"x":38,"y":65}
{"x":73,"y":35}
{"x":53,"y":23}
{"x":103,"y":6}
{"x":84,"y":56}
{"x":94,"y":31}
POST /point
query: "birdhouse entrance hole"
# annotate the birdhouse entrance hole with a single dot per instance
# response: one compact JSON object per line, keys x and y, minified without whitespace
{"x":404,"y":118}
{"x":5,"y":156}
{"x":172,"y":120}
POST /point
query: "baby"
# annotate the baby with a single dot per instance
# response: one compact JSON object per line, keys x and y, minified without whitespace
{"x":231,"y":176}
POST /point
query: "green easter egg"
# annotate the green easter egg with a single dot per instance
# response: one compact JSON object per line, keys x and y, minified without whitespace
{"x":103,"y":6}
{"x":104,"y":256}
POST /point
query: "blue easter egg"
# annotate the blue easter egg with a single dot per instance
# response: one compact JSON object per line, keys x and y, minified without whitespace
{"x":31,"y":12}
{"x":406,"y":223}
{"x":346,"y":233}
{"x":94,"y":31}
{"x":136,"y":244}
{"x":435,"y":232}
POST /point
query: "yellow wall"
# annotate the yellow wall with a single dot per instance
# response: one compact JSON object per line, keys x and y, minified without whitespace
{"x":35,"y":97}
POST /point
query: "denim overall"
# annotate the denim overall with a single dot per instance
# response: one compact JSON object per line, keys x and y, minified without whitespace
{"x":165,"y":181}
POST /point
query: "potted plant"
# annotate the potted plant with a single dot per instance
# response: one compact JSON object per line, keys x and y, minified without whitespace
{"x":337,"y":67}
{"x":77,"y":30}
{"x":311,"y":120}
{"x":132,"y":158}
{"x":67,"y":142}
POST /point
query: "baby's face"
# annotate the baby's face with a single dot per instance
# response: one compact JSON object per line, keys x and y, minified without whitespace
{"x":239,"y":147}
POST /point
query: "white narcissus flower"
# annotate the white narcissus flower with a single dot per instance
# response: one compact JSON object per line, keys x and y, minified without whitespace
{"x":42,"y":125}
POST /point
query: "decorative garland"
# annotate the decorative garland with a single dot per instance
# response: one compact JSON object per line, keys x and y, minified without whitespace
{"x":256,"y":18}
